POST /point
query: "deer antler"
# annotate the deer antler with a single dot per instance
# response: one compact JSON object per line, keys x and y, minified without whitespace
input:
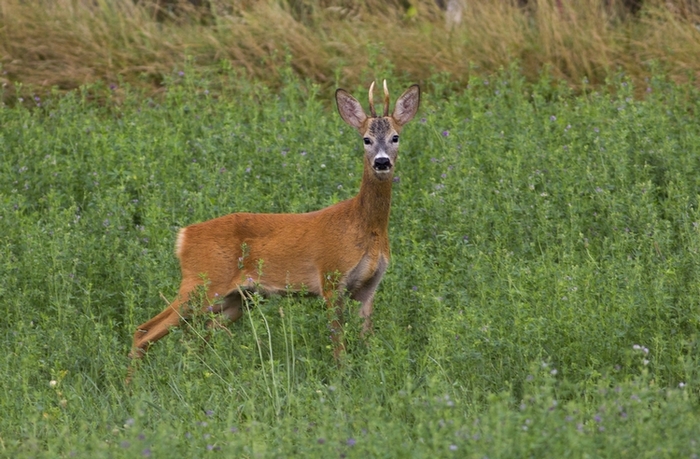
{"x":371,"y":101}
{"x":386,"y":100}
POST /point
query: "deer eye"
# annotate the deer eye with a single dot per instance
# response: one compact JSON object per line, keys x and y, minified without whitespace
{"x":395,"y":139}
{"x":367,"y":141}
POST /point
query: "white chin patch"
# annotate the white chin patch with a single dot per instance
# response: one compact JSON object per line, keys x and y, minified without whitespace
{"x":382,"y":163}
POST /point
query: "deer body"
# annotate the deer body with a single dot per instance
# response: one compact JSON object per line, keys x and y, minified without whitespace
{"x":342,"y":249}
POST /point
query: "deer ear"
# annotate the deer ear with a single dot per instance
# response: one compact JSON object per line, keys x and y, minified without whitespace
{"x":407,"y":105}
{"x":350,"y":109}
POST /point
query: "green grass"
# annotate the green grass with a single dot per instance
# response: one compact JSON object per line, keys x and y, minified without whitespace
{"x":542,"y":301}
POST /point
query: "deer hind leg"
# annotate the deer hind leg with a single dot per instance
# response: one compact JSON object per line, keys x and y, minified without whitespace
{"x":151,"y":331}
{"x":230,"y":308}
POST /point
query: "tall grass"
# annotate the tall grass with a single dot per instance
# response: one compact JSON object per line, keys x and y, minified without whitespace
{"x":66,"y":43}
{"x":542,"y":299}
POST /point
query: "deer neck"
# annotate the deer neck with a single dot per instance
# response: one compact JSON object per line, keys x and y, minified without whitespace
{"x":373,"y":202}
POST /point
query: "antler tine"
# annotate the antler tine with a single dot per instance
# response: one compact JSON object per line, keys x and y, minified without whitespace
{"x":371,"y":100}
{"x":386,"y":100}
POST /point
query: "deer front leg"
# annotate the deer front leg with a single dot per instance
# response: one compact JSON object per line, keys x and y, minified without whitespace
{"x":365,"y":295}
{"x":335,"y":318}
{"x":366,"y":313}
{"x":366,"y":298}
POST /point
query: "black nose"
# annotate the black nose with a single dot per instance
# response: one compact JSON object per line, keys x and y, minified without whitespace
{"x":382,"y":164}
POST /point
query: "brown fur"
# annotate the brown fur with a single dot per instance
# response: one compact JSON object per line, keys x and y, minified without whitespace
{"x":274,"y":253}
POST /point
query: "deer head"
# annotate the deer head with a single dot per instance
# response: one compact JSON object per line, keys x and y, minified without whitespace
{"x":380,"y":134}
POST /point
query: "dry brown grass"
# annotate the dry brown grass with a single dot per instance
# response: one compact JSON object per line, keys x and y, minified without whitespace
{"x":66,"y":43}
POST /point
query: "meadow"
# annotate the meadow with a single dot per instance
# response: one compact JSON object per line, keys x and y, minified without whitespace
{"x":68,"y":43}
{"x":542,"y":300}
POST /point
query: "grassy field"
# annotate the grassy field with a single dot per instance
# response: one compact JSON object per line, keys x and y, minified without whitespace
{"x":67,"y":43}
{"x":542,"y":301}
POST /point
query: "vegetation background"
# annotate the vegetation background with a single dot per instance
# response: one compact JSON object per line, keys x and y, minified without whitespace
{"x":67,"y":43}
{"x":543,"y":296}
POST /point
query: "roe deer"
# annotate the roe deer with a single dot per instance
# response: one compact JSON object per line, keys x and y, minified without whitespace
{"x":298,"y":252}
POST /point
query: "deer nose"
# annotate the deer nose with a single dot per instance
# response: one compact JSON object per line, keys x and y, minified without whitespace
{"x":382,"y":164}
